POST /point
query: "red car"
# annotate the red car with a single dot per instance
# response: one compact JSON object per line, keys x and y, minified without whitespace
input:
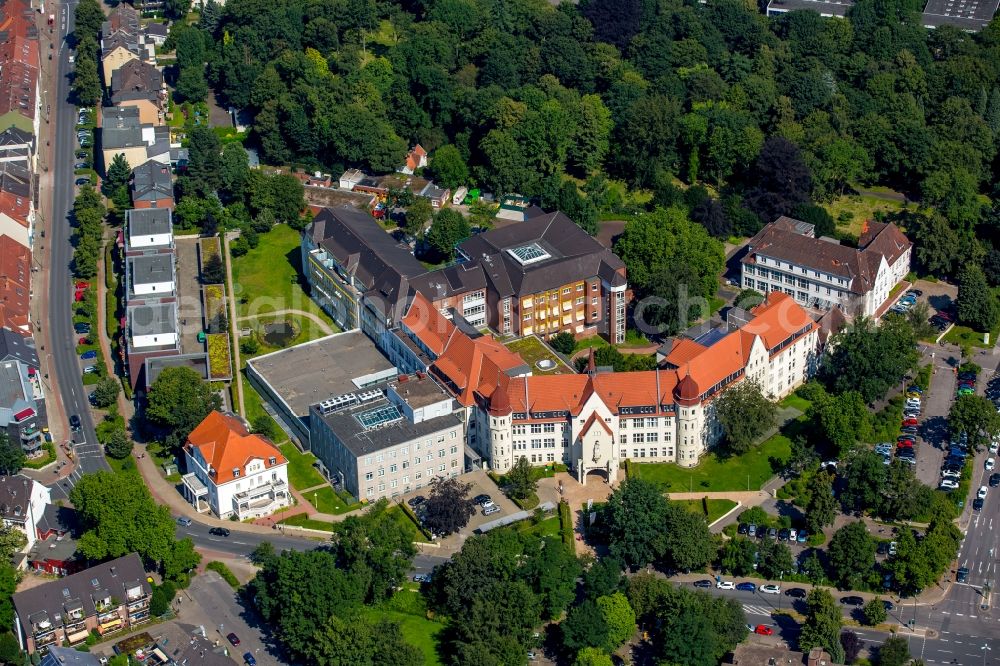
{"x":910,"y":422}
{"x":763,"y":630}
{"x":233,"y":638}
{"x":904,"y":444}
{"x":944,"y":315}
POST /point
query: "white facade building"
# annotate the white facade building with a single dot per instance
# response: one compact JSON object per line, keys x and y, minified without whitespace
{"x":22,"y":503}
{"x":231,"y":472}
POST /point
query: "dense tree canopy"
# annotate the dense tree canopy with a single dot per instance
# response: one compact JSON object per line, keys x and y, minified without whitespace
{"x":871,"y":359}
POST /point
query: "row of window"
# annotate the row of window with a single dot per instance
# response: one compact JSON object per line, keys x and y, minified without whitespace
{"x":763,"y":271}
{"x":645,"y":437}
{"x":405,"y":451}
{"x":370,"y":490}
{"x":666,"y":452}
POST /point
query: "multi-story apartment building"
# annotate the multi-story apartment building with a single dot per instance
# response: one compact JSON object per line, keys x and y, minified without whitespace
{"x":105,"y":598}
{"x":593,"y":421}
{"x":542,"y":276}
{"x":389,"y":439}
{"x":22,"y":504}
{"x":232,"y":472}
{"x":785,"y":256}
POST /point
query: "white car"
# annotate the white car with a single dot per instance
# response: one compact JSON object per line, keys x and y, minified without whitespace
{"x":948,"y":484}
{"x":948,"y":474}
{"x":995,"y":447}
{"x":982,"y":492}
{"x":990,"y":464}
{"x":793,"y":535}
{"x":769,"y":589}
{"x":725,"y":585}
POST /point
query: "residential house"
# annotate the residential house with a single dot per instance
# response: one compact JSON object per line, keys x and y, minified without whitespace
{"x":149,"y":276}
{"x":388,"y":439}
{"x":821,"y":273}
{"x":152,"y":186}
{"x":232,"y":472}
{"x":157,"y":33}
{"x":438,"y":196}
{"x":22,"y":406}
{"x":415,"y":159}
{"x":17,"y":145}
{"x":139,"y":84}
{"x":16,"y":346}
{"x":22,"y":504}
{"x":54,"y":551}
{"x":123,"y":132}
{"x":350,"y":178}
{"x":149,"y":230}
{"x":60,"y":656}
{"x":15,"y":285}
{"x":594,"y":421}
{"x":106,"y":598}
{"x":17,"y":204}
{"x":19,"y":61}
{"x":118,"y":49}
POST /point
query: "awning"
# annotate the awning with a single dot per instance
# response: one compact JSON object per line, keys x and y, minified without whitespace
{"x":113,"y":624}
{"x":26,"y":413}
{"x":78,"y":636}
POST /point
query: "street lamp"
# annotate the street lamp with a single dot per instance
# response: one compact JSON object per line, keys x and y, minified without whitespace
{"x":986,"y":648}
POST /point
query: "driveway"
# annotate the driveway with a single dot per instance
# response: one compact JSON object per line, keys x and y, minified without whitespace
{"x":189,"y":294}
{"x":934,"y":426}
{"x":211,"y":603}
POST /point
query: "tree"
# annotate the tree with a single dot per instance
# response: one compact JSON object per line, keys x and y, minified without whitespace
{"x":619,"y":618}
{"x":977,"y":304}
{"x":673,"y":259}
{"x":10,"y":650}
{"x":821,"y":508}
{"x":745,"y":414}
{"x":584,"y":626}
{"x":106,"y":392}
{"x":563,"y":342}
{"x":870,"y":359}
{"x":415,"y":221}
{"x":895,"y":651}
{"x":775,"y":559}
{"x":687,"y":543}
{"x":874,"y":612}
{"x":179,"y":399}
{"x":88,"y":17}
{"x":977,"y":417}
{"x":265,"y":426}
{"x":591,"y":656}
{"x":822,"y":625}
{"x":449,"y":168}
{"x":843,"y":420}
{"x":361,"y":640}
{"x":852,"y":553}
{"x":852,"y":645}
{"x":119,"y":445}
{"x":738,"y":556}
{"x":12,"y":458}
{"x":12,"y":540}
{"x":119,"y":516}
{"x":118,"y":174}
{"x":448,"y":230}
{"x":603,"y":577}
{"x":86,"y":83}
{"x":783,"y":181}
{"x":9,"y":578}
{"x":212,"y":272}
{"x":690,"y":639}
{"x":711,"y":214}
{"x":519,"y":482}
{"x":448,"y":509}
{"x":634,"y":519}
{"x":375,"y":547}
{"x":204,"y":171}
{"x":234,"y":170}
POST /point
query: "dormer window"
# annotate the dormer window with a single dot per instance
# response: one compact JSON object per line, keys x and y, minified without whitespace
{"x":272,"y":460}
{"x":236,"y":471}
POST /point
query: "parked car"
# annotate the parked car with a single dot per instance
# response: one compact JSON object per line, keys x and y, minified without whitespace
{"x":910,"y":422}
{"x":414,"y":502}
{"x":795,"y":593}
{"x":772,"y":532}
{"x":248,"y":659}
{"x":90,"y":369}
{"x":481,"y":499}
{"x":490,"y":510}
{"x":219,"y":531}
{"x":184,"y":521}
{"x":882,"y":547}
{"x":792,"y":534}
{"x":82,"y":181}
{"x":948,"y":484}
{"x":852,"y":601}
{"x":233,"y":638}
{"x":746,"y":587}
{"x":990,"y":464}
{"x":893,"y":546}
{"x":81,"y":327}
{"x":803,"y":536}
{"x":783,"y":534}
{"x":977,"y":504}
{"x":725,"y":585}
{"x":914,"y":292}
{"x":763,"y":630}
{"x":889,"y":606}
{"x":994,"y":480}
{"x":982,"y":492}
{"x":87,"y":355}
{"x":950,"y":474}
{"x":703,"y":583}
{"x":770,"y":589}
{"x":421,"y":578}
{"x":742,"y":528}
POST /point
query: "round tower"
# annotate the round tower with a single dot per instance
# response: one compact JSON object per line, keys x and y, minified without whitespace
{"x":499,"y":411}
{"x":690,"y":419}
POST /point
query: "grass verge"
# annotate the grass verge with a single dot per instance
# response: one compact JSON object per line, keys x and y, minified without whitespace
{"x":301,"y":473}
{"x":227,"y":575}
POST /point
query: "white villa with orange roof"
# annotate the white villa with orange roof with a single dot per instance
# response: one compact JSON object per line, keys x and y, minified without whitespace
{"x":232,"y":472}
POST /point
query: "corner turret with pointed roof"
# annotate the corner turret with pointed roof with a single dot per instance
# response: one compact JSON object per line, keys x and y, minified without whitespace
{"x":500,"y":403}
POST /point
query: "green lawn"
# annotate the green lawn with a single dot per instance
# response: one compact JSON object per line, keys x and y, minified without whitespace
{"x":306,"y":330}
{"x":398,"y":515}
{"x":715,"y":475}
{"x":325,"y":500}
{"x":301,"y":473}
{"x":856,"y":209}
{"x":796,"y":401}
{"x":963,"y":335}
{"x":717,"y":508}
{"x":548,"y":527}
{"x":594,"y":341}
{"x":532,"y":350}
{"x":301,"y":520}
{"x":408,"y":608}
{"x":267,"y":277}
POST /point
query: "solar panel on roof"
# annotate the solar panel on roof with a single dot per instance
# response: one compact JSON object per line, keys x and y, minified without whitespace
{"x":528,"y":254}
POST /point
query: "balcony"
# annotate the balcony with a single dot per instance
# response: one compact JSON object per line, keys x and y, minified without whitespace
{"x":260,"y":500}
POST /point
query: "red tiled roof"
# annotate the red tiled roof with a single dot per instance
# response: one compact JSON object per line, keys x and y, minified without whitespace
{"x":428,"y":324}
{"x":226,"y":444}
{"x":15,"y":283}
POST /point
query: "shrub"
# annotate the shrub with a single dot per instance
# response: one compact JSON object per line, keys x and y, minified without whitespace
{"x":224,"y":571}
{"x":163,"y":594}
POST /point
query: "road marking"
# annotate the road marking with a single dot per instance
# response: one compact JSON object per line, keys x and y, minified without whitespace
{"x":960,"y":614}
{"x":756,"y":610}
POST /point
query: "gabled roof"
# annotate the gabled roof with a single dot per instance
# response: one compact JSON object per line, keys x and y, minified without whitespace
{"x":152,"y":181}
{"x":226,"y":444}
{"x":136,"y":80}
{"x":15,"y":283}
{"x":14,"y":345}
{"x":472,"y":367}
{"x":428,"y":324}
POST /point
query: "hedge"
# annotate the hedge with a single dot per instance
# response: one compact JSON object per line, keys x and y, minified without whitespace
{"x":566,"y":525}
{"x":224,"y":571}
{"x":416,"y":521}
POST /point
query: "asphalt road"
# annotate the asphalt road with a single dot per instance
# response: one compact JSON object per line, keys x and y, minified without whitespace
{"x":60,"y":316}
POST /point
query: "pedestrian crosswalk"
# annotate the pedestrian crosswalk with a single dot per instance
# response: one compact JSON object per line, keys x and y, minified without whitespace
{"x":756,"y":610}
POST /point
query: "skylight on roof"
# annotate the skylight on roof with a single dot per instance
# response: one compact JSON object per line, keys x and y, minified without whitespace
{"x":529,"y":254}
{"x":380,"y":416}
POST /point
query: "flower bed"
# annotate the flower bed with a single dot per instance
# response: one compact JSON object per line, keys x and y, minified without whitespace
{"x":220,"y":365}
